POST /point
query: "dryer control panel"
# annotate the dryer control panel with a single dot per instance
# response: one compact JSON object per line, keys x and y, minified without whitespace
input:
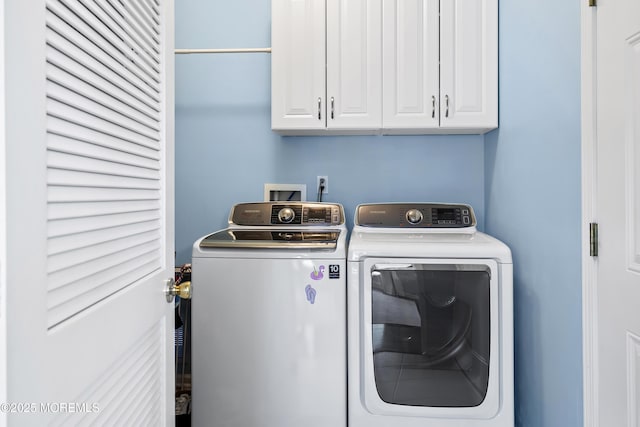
{"x":287,"y":213}
{"x":415,"y":215}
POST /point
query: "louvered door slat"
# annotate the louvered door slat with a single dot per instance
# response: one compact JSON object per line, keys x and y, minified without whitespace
{"x":57,"y":211}
{"x":115,"y":386}
{"x":104,"y":117}
{"x":87,"y":91}
{"x":69,"y":161}
{"x":69,"y":259}
{"x":67,"y":132}
{"x":120,"y":387}
{"x":113,"y":390}
{"x":90,"y":285}
{"x":68,"y":297}
{"x":146,"y":382}
{"x":74,"y":147}
{"x":72,"y":242}
{"x":82,"y":194}
{"x":85,"y":104}
{"x":63,"y":111}
{"x":102,"y":63}
{"x":102,"y":39}
{"x":59,"y":177}
{"x":139,"y":23}
{"x":126,"y":28}
{"x":90,"y":71}
{"x":147,"y":14}
{"x":119,"y":32}
{"x":82,"y":225}
{"x":152,"y":5}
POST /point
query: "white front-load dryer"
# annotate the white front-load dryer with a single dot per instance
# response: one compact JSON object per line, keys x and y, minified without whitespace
{"x":269,"y":318}
{"x":430,"y":319}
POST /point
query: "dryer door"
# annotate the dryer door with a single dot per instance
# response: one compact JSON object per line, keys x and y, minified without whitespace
{"x":430,"y":333}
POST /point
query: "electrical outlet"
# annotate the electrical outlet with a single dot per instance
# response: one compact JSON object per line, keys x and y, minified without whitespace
{"x":326,"y":183}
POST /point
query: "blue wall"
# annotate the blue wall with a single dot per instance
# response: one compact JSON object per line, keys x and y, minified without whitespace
{"x":523,"y":173}
{"x":226,"y":151}
{"x":533,"y":203}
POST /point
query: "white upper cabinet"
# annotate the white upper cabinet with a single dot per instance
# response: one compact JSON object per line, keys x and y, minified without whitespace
{"x":354,"y":75}
{"x":298,"y":65}
{"x":326,"y":71}
{"x":384,"y":66}
{"x":469,"y":65}
{"x":410,"y":65}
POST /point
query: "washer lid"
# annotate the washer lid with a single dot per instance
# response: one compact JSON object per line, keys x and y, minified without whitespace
{"x":272,"y":239}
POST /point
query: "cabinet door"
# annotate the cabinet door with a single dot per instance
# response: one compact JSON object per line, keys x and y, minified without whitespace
{"x":354,"y":70}
{"x":410,"y":64}
{"x":298,"y":64}
{"x":469,"y":64}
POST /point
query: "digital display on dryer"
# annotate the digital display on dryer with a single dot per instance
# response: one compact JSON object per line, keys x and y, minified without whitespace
{"x":316,"y":215}
{"x":444,"y":214}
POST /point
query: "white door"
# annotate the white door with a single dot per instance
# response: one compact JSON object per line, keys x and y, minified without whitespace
{"x":354,"y":68}
{"x":617,"y":197}
{"x":469,"y":64}
{"x":410,"y":61}
{"x":3,"y":234}
{"x":298,"y":64}
{"x":89,"y":161}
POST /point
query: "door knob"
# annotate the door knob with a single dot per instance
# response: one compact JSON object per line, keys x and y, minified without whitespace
{"x":183,"y":290}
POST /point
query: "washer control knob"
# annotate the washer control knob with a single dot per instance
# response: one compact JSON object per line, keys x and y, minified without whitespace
{"x":414,"y":216}
{"x":286,"y":215}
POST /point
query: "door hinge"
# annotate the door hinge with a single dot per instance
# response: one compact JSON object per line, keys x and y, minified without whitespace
{"x":593,"y":239}
{"x":593,"y":3}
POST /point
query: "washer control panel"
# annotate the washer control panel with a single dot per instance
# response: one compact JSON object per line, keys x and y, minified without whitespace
{"x":415,"y":215}
{"x":287,"y":213}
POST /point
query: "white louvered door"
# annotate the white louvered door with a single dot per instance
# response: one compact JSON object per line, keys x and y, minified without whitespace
{"x":89,"y":129}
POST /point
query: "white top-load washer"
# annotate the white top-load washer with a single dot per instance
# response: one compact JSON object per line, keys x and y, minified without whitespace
{"x":430,"y":319}
{"x":269,"y":318}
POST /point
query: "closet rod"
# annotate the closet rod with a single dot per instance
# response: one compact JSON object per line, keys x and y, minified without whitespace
{"x":244,"y":50}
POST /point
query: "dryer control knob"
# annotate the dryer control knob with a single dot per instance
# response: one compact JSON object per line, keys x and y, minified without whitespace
{"x":414,"y":216}
{"x":286,"y":215}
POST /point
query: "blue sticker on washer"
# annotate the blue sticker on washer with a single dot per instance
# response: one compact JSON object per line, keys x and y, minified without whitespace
{"x":317,"y":274}
{"x":311,"y":294}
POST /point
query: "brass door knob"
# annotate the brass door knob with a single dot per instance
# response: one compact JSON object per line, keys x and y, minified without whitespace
{"x":183,"y":290}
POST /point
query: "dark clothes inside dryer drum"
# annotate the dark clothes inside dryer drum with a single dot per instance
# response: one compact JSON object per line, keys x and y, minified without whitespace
{"x":430,"y":332}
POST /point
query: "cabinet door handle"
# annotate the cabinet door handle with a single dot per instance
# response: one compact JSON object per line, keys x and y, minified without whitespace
{"x":333,"y":104}
{"x":319,"y":108}
{"x":433,"y":107}
{"x":446,"y":102}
